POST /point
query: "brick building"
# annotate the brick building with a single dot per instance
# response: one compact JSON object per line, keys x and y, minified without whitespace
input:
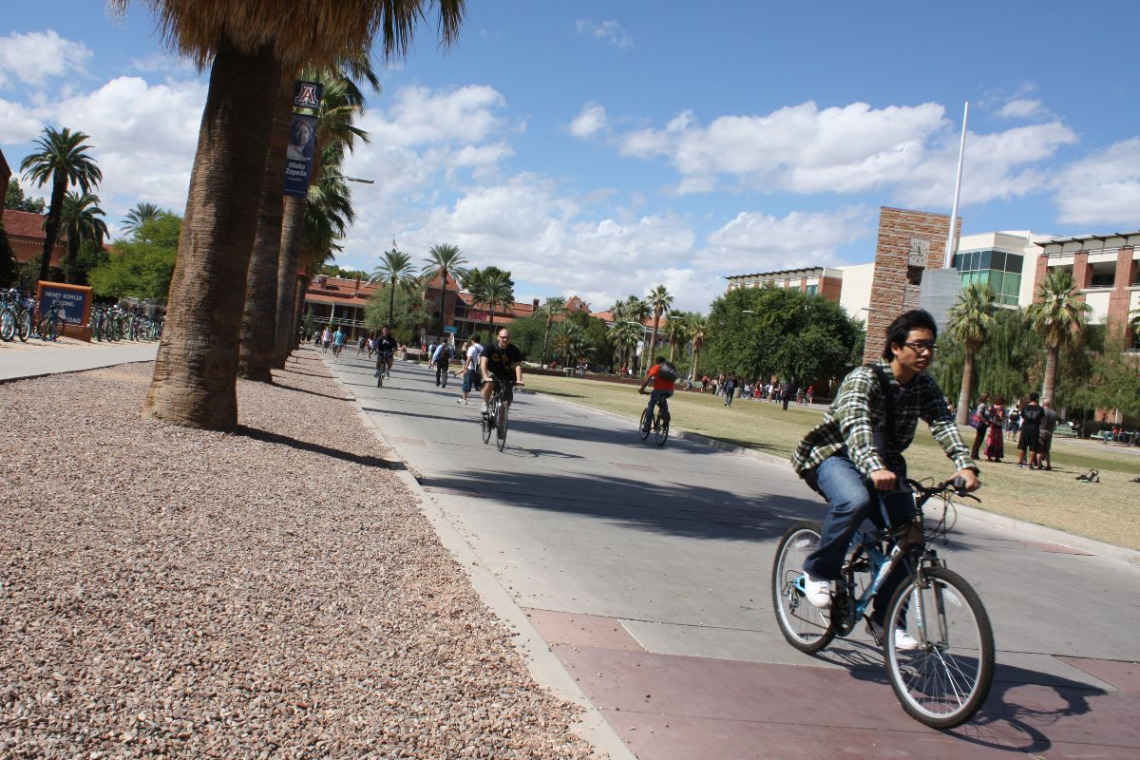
{"x":824,"y":281}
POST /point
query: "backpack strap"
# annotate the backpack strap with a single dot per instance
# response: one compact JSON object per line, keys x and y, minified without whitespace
{"x":888,"y":401}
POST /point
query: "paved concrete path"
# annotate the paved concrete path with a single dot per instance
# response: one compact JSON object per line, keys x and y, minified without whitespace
{"x":37,"y":357}
{"x":646,"y":572}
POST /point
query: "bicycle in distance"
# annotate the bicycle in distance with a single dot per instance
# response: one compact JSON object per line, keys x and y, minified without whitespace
{"x":495,"y":419}
{"x":937,"y":640}
{"x":382,"y":369}
{"x":660,"y":427}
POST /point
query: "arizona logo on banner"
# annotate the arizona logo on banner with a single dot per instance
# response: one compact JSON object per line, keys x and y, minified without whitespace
{"x":302,"y":139}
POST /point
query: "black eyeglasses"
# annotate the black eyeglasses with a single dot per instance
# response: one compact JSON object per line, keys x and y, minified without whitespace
{"x":922,"y":345}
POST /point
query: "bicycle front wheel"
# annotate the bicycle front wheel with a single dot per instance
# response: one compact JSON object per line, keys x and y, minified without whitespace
{"x":7,"y":325}
{"x":806,"y":627}
{"x":944,"y":681}
{"x":501,"y":426}
{"x":487,"y":421}
{"x":662,"y":430}
{"x":24,"y":326}
{"x":642,"y":428}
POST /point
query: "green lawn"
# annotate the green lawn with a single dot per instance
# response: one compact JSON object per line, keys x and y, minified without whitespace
{"x":1107,"y":511}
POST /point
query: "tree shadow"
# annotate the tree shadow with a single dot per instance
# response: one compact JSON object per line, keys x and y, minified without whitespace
{"x":267,"y":437}
{"x":1006,"y":721}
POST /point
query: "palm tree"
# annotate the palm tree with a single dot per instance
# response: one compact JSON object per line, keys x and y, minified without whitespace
{"x":625,"y":335}
{"x":341,"y":101}
{"x":140,"y":215}
{"x":62,"y":158}
{"x":661,"y":302}
{"x":249,"y":43}
{"x":969,"y":321}
{"x":496,"y":289}
{"x":81,"y":222}
{"x":677,"y":330}
{"x":396,"y":270}
{"x":698,"y":325}
{"x":1055,"y":315}
{"x":444,"y":260}
{"x":570,"y":343}
{"x":553,"y":307}
{"x":637,"y":310}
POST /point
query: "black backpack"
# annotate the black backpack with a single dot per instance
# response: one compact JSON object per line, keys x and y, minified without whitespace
{"x":667,"y":372}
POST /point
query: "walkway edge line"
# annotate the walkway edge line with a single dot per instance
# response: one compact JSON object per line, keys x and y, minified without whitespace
{"x":544,"y":666}
{"x":1011,"y":524}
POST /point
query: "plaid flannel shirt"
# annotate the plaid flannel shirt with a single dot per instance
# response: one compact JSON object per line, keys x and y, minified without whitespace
{"x":859,"y":406}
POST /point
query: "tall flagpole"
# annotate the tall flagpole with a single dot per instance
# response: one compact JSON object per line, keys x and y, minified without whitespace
{"x":951,"y":237}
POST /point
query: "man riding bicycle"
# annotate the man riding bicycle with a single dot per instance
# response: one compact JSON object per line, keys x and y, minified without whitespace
{"x":502,"y":363}
{"x":663,"y":386}
{"x":854,"y":457}
{"x":385,"y":346}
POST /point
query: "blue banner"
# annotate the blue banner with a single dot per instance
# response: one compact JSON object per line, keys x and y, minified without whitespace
{"x":299,"y":155}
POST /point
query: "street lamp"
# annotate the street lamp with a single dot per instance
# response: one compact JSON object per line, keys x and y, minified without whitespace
{"x":351,"y":179}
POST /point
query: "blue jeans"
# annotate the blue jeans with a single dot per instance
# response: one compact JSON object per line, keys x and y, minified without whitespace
{"x":852,"y":501}
{"x":654,"y":397}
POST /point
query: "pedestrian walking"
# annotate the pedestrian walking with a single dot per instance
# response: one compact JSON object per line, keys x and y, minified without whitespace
{"x":441,"y":359}
{"x":980,"y":422}
{"x":995,"y":431}
{"x":471,"y":380}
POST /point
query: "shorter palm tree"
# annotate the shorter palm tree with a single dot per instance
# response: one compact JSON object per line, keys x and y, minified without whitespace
{"x":698,"y":325}
{"x":660,"y":301}
{"x":625,"y":335}
{"x":554,"y":307}
{"x":396,"y":271}
{"x":140,"y":215}
{"x":570,"y":343}
{"x":1056,"y":315}
{"x":80,"y":221}
{"x":969,"y":321}
{"x":677,"y":330}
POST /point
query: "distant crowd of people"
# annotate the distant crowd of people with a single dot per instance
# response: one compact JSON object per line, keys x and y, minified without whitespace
{"x":728,"y":386}
{"x":1030,"y":422}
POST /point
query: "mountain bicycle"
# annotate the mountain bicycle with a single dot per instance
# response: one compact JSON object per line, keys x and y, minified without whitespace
{"x":51,"y":322}
{"x":943,"y":680}
{"x":495,"y":419}
{"x":660,"y":421}
{"x":16,"y":316}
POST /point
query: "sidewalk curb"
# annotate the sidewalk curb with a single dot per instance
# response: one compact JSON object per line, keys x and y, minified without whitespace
{"x":544,"y":666}
{"x":1002,"y":522}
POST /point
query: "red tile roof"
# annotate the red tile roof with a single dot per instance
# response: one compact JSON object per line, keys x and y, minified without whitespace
{"x":23,"y":224}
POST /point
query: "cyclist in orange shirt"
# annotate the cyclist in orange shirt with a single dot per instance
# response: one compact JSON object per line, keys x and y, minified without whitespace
{"x":664,"y":375}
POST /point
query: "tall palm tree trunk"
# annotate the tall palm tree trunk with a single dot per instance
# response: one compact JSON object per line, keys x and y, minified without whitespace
{"x":653,"y":337}
{"x":963,"y":413}
{"x":51,"y":226}
{"x":259,"y":320}
{"x":195,"y":375}
{"x":292,"y":228}
{"x":546,"y":337}
{"x":391,"y":304}
{"x":1051,"y":353}
{"x":71,"y":265}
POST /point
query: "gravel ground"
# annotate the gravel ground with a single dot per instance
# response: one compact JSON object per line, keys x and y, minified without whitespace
{"x":269,"y":593}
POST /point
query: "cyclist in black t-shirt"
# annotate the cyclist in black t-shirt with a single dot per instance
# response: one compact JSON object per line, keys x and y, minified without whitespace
{"x":385,"y":346}
{"x":502,"y":362}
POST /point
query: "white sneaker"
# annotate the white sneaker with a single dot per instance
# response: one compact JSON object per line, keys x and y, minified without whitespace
{"x":461,"y":401}
{"x":818,"y":592}
{"x":483,"y":409}
{"x":904,"y":642}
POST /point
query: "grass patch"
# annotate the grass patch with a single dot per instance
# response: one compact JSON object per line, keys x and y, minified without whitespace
{"x":1108,"y":511}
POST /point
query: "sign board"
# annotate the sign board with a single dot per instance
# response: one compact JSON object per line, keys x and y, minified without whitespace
{"x":299,"y":155}
{"x":73,"y":300}
{"x":307,"y":94}
{"x":451,"y":330}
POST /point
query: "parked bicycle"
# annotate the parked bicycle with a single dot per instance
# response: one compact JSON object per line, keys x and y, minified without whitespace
{"x":495,"y":420}
{"x":660,"y":421}
{"x":51,"y":322}
{"x":15,"y":315}
{"x":944,"y":675}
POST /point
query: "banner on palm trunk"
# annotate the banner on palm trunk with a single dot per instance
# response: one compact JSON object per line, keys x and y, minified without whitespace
{"x":299,"y":155}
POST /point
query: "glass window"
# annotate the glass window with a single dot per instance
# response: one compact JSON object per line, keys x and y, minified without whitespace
{"x":1013,"y":262}
{"x":984,"y":259}
{"x":1011,"y":287}
{"x":1103,"y":279}
{"x":958,"y":261}
{"x":998,"y":261}
{"x":996,"y":279}
{"x":812,"y":290}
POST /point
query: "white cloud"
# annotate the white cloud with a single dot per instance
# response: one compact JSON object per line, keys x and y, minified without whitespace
{"x":609,"y":32}
{"x":1022,"y":108}
{"x":590,"y":121}
{"x":35,"y":57}
{"x":1104,"y":188}
{"x":419,"y":116}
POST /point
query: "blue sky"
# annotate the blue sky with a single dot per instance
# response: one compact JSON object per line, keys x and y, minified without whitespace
{"x":601,"y":148}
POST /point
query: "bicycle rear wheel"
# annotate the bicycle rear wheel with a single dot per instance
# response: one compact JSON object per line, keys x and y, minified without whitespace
{"x":662,"y":430}
{"x":946,"y":679}
{"x":642,"y":429}
{"x":501,"y":426}
{"x":806,"y":627}
{"x":24,"y":326}
{"x":487,"y":420}
{"x":7,"y":325}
